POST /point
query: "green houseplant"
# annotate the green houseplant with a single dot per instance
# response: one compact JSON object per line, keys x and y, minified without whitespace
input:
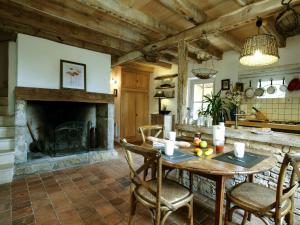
{"x":215,"y":106}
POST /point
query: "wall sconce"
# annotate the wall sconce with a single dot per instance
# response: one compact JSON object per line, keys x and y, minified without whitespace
{"x":115,"y":89}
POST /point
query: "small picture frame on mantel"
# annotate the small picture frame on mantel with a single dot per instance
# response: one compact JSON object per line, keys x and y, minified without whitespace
{"x":225,"y":84}
{"x":72,"y":75}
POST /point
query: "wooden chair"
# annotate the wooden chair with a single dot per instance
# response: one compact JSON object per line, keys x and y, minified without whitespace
{"x":158,"y":129}
{"x":160,"y":196}
{"x":265,"y":202}
{"x":148,"y":128}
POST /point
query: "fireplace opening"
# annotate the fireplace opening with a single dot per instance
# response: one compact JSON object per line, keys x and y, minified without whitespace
{"x":61,"y":128}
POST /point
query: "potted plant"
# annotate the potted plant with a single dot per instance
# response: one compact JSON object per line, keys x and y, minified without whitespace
{"x":215,"y":106}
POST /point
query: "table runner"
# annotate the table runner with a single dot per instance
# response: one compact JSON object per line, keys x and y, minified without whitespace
{"x":249,"y":160}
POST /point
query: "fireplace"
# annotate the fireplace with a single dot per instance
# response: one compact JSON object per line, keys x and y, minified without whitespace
{"x":62,"y":127}
{"x":64,"y":122}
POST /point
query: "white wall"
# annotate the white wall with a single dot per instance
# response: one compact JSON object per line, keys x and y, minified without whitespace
{"x":39,"y":64}
{"x":12,"y":75}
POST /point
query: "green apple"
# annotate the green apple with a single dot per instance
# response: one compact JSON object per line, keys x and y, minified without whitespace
{"x":203,"y":144}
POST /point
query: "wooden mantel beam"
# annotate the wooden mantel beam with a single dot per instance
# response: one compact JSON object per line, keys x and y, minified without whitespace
{"x":95,"y":22}
{"x":223,"y":23}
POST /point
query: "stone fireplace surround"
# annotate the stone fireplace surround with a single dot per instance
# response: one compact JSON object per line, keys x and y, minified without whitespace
{"x":104,"y":121}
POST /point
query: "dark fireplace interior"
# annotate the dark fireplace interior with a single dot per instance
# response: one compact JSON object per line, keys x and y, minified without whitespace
{"x":61,"y":128}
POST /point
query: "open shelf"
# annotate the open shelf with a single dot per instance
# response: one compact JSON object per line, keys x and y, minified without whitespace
{"x":165,"y":77}
{"x":165,"y":88}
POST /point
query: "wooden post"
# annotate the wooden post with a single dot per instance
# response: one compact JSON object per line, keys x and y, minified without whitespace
{"x":182,"y":80}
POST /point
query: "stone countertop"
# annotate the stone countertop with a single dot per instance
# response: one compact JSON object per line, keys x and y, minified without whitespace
{"x":286,"y":139}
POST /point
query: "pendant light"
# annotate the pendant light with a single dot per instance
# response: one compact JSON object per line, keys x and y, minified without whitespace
{"x":259,"y":50}
{"x":205,"y":72}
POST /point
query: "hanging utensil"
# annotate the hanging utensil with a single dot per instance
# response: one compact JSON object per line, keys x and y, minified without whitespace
{"x":249,"y":92}
{"x":271,"y":89}
{"x":283,"y":87}
{"x":294,"y":84}
{"x":259,"y":91}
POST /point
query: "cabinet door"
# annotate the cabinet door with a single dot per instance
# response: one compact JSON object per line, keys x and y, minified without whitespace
{"x":142,"y":116}
{"x":129,"y":79}
{"x":142,"y":80}
{"x":128,"y":120}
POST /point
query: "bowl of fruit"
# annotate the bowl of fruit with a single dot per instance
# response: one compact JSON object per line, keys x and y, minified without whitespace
{"x":201,"y":148}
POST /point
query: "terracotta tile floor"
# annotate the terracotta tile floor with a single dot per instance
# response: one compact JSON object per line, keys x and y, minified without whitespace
{"x":94,"y":194}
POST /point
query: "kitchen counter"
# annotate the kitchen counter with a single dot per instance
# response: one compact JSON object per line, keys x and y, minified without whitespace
{"x":277,"y":126}
{"x":271,"y":138}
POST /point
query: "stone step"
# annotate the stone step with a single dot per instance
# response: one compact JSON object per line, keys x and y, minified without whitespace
{"x":3,"y":110}
{"x":7,"y":121}
{"x":7,"y":156}
{"x":3,"y":101}
{"x":6,"y":173}
{"x":7,"y":143}
{"x":3,"y":92}
{"x":7,"y":132}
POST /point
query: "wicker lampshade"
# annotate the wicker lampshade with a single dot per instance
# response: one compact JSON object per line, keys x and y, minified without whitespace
{"x":259,"y":50}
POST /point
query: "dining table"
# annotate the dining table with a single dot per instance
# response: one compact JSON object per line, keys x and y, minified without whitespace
{"x":219,"y":171}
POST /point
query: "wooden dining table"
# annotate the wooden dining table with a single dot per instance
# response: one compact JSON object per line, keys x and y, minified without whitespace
{"x":218,"y":171}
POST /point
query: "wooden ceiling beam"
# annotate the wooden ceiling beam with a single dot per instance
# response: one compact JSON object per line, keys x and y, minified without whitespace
{"x":244,"y":2}
{"x":196,"y":16}
{"x":129,"y":15}
{"x":186,"y":9}
{"x":7,"y":35}
{"x":223,"y":23}
{"x":193,"y":57}
{"x":25,"y":29}
{"x":268,"y":27}
{"x":162,"y":64}
{"x":21,"y":16}
{"x":95,"y":22}
{"x":230,"y":40}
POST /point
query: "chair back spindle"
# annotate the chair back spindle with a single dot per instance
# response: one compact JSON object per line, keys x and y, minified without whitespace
{"x":147,"y":128}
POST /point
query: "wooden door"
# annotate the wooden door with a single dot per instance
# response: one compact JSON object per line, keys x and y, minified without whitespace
{"x":128,"y":118}
{"x":142,"y":116}
{"x":129,"y":80}
{"x":142,"y":80}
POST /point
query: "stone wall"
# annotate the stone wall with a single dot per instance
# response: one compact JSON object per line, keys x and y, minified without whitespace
{"x":269,"y":178}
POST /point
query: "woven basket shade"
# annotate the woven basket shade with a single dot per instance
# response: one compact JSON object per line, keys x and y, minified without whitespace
{"x":259,"y":50}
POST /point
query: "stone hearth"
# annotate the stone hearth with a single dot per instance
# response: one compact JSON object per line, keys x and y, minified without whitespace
{"x":99,"y":112}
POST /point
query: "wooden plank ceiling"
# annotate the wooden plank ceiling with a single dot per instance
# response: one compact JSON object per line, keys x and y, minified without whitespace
{"x":127,"y":29}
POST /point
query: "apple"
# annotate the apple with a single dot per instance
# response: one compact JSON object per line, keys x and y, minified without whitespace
{"x":203,"y":144}
{"x":209,"y":151}
{"x":197,"y":142}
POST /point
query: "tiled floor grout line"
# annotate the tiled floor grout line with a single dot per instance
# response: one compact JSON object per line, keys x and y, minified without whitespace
{"x":69,"y":199}
{"x":50,"y":199}
{"x":30,"y":200}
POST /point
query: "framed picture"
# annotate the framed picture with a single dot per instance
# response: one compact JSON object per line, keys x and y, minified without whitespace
{"x":225,"y":84}
{"x":72,"y":75}
{"x":239,"y":87}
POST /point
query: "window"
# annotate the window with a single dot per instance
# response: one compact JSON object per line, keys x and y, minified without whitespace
{"x":276,"y":83}
{"x":198,"y":89}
